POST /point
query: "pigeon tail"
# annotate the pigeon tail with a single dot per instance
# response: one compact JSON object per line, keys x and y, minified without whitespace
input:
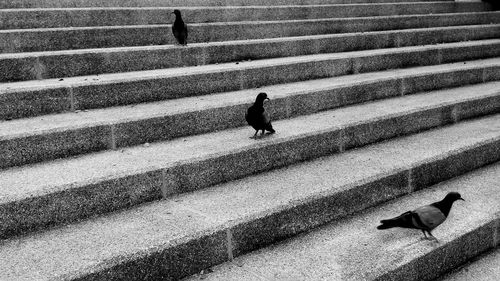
{"x":385,"y":225}
{"x":404,"y":220}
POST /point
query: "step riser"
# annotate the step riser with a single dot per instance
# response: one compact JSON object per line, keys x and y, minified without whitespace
{"x":69,"y":65}
{"x":263,"y":230}
{"x":180,"y":3}
{"x":81,"y":38}
{"x":59,"y":99}
{"x":47,"y":146}
{"x":72,"y":18}
{"x":107,"y":195}
{"x":32,"y":149}
{"x":439,"y":261}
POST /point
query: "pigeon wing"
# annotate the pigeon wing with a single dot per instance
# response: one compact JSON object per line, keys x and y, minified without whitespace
{"x":428,"y":217}
{"x":179,"y":29}
{"x":255,"y":117}
{"x":265,"y":118}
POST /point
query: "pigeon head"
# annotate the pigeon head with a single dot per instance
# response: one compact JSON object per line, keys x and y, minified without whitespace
{"x":261,"y":97}
{"x":177,"y":13}
{"x":452,"y":197}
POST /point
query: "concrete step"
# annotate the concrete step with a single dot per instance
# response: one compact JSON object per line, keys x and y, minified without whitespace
{"x":102,"y":182}
{"x":69,"y":63}
{"x":47,"y":39}
{"x":182,"y":235}
{"x":484,"y":268}
{"x":73,"y":17}
{"x":5,"y":4}
{"x":31,"y":98}
{"x":353,"y":249}
{"x":25,"y":141}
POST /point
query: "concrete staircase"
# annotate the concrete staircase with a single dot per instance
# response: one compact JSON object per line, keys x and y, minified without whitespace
{"x":483,"y":268}
{"x":126,"y":157}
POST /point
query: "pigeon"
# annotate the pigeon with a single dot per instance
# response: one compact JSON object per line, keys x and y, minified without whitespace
{"x":257,"y":116}
{"x":495,"y":5}
{"x":425,"y":218}
{"x":179,"y":28}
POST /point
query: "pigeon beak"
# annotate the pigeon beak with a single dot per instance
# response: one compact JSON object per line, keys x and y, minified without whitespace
{"x":461,"y":199}
{"x":268,"y":99}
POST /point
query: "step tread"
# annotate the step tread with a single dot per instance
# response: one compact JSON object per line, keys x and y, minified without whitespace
{"x":113,"y":238}
{"x":144,"y":75}
{"x":132,"y":49}
{"x":163,"y":3}
{"x":122,"y":114}
{"x":270,"y":22}
{"x":353,"y":249}
{"x":233,"y":7}
{"x":48,"y":177}
{"x":484,"y":268}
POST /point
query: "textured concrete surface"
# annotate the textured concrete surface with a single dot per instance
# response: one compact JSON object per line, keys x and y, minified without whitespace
{"x":353,"y":249}
{"x":129,"y":176}
{"x":62,"y":135}
{"x":192,"y":191}
{"x":46,"y":39}
{"x":114,"y":89}
{"x":142,"y":242}
{"x":68,"y":63}
{"x":179,"y":3}
{"x":484,"y":268}
{"x":73,"y":17}
{"x":162,"y":238}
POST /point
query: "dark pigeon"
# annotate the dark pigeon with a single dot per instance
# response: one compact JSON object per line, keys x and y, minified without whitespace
{"x":425,"y":218}
{"x":257,"y":116}
{"x":179,"y":28}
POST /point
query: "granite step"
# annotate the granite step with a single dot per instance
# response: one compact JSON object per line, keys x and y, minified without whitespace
{"x":70,"y":63}
{"x":184,"y":234}
{"x":485,"y":268}
{"x":65,"y":38}
{"x":12,"y":4}
{"x":47,"y":137}
{"x":65,"y":190}
{"x":353,"y":249}
{"x":122,"y":16}
{"x":31,"y":98}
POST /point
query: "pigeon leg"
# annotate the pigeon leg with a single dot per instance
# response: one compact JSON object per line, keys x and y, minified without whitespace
{"x":254,"y":135}
{"x":435,"y":239}
{"x":425,"y":235}
{"x":263,"y":132}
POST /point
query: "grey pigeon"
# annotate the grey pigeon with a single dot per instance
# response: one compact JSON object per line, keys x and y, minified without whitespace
{"x":257,"y":116}
{"x":179,"y":28}
{"x":425,"y":218}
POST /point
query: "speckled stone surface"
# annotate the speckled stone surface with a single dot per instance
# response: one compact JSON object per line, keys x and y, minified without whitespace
{"x":118,"y":16}
{"x":86,"y":193}
{"x":143,"y":173}
{"x":146,"y":233}
{"x":63,"y":135}
{"x":179,"y":3}
{"x":256,"y":211}
{"x":484,"y":268}
{"x":48,"y":137}
{"x":87,"y":92}
{"x":55,"y":136}
{"x":69,"y":63}
{"x":32,"y":40}
{"x":353,"y":249}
